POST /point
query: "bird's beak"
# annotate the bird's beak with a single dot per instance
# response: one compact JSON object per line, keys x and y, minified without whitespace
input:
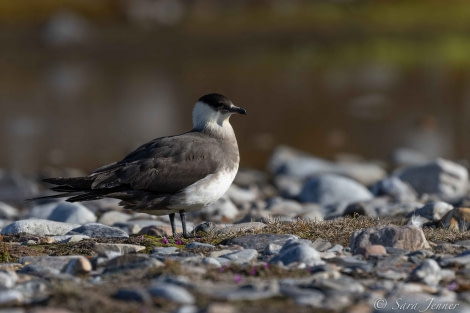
{"x":235,"y":109}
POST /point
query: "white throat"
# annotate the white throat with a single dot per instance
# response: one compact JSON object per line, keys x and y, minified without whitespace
{"x":206,"y":118}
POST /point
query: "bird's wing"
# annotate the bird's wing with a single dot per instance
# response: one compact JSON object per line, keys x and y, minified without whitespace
{"x":164,"y":165}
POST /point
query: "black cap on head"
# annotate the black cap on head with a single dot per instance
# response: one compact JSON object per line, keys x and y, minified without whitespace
{"x":221,"y":103}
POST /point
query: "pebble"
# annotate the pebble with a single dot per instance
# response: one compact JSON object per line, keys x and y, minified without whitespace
{"x":8,"y":212}
{"x":430,"y":273}
{"x":38,"y":227}
{"x":115,"y":249}
{"x":171,"y":292}
{"x":261,"y":241}
{"x":443,"y":178}
{"x":434,"y":211}
{"x":242,"y":227}
{"x":112,"y":217}
{"x":396,"y":189}
{"x":242,"y":256}
{"x":96,"y":230}
{"x":138,"y":295}
{"x":403,"y":237}
{"x":333,"y":190}
{"x":74,"y":213}
{"x":8,"y":279}
{"x":296,"y":251}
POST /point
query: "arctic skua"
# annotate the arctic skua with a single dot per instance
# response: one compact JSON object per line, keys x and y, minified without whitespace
{"x":168,"y":175}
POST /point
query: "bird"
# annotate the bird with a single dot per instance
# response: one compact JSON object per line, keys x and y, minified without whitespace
{"x":172,"y":174}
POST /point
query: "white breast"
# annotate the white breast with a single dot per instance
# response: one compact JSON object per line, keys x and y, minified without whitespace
{"x":204,"y":191}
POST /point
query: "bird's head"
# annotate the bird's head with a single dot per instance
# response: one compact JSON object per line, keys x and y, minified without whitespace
{"x":214,"y":110}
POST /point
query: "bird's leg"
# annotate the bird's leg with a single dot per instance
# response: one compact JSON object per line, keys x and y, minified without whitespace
{"x":172,"y":223}
{"x":183,"y":223}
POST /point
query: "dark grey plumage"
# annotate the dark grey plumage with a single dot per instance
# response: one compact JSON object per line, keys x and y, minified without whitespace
{"x":156,"y":176}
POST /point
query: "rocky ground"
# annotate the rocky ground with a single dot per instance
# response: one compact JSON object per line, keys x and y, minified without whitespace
{"x":345,"y":236}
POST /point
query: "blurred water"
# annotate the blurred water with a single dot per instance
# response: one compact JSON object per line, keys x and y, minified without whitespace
{"x":88,"y":94}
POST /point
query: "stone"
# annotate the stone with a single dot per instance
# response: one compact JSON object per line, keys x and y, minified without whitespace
{"x":111,"y":217}
{"x":116,"y":248}
{"x":69,"y":238}
{"x":42,"y":210}
{"x":434,"y":211}
{"x":211,"y":261}
{"x":242,"y":227}
{"x":96,"y":230}
{"x":74,"y":213}
{"x":430,"y":273}
{"x":223,"y":210}
{"x":395,"y":188}
{"x":406,"y":237}
{"x":135,"y":226}
{"x":333,"y":190}
{"x":129,"y":262}
{"x":171,"y":292}
{"x":137,"y":295}
{"x":8,"y":279}
{"x":297,"y":251}
{"x":283,"y":207}
{"x":242,"y":256}
{"x":321,"y":245}
{"x":374,"y":250}
{"x":261,"y":241}
{"x":38,"y":227}
{"x":47,"y":265}
{"x":242,"y":292}
{"x":78,"y":266}
{"x":8,"y":212}
{"x":219,"y":308}
{"x":240,"y":196}
{"x":443,"y":178}
{"x":199,"y":245}
{"x":11,"y":297}
{"x":460,"y":259}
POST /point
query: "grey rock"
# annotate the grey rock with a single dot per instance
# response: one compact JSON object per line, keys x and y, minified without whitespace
{"x":38,"y":227}
{"x":116,"y":248}
{"x":111,"y":217}
{"x":297,"y":251}
{"x":272,"y":249}
{"x":55,"y":265}
{"x":261,"y":241}
{"x":74,"y":213}
{"x":302,"y":296}
{"x":11,"y":297}
{"x":8,"y":279}
{"x":443,"y":178}
{"x":165,"y":250}
{"x":242,"y":256}
{"x":137,"y":295}
{"x":245,"y":292}
{"x":211,"y":261}
{"x":332,"y":190}
{"x":283,"y":207}
{"x":290,"y":162}
{"x":96,"y":230}
{"x":42,"y":211}
{"x":171,"y":292}
{"x":194,"y":309}
{"x":343,"y":284}
{"x":403,"y":237}
{"x":135,"y":226}
{"x":221,"y":210}
{"x":434,"y":211}
{"x":461,"y":259}
{"x":289,"y":187}
{"x":7,"y":211}
{"x":242,"y":227}
{"x":395,"y":188}
{"x":130,"y":262}
{"x":430,"y":273}
{"x":69,"y":238}
{"x":197,"y":245}
{"x":240,"y":196}
{"x":78,"y":266}
{"x":321,"y":245}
